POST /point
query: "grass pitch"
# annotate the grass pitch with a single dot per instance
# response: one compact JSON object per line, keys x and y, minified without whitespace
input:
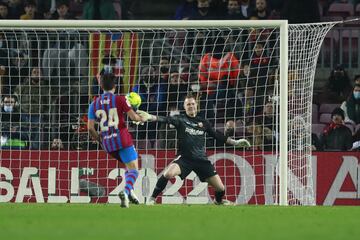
{"x":185,"y":222}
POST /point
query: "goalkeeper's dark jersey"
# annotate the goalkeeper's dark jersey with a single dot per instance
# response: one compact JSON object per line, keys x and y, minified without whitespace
{"x":191,"y":135}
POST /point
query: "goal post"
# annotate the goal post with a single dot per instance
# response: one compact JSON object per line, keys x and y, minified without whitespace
{"x":254,"y":77}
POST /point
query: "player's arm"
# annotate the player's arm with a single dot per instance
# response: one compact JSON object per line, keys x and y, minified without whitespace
{"x":134,"y":116}
{"x":91,"y":124}
{"x":224,"y":139}
{"x":94,"y":134}
{"x":153,"y":118}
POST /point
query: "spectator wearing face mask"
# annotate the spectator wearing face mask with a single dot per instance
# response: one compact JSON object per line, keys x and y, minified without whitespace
{"x":10,"y":136}
{"x":336,"y":136}
{"x":351,"y":106}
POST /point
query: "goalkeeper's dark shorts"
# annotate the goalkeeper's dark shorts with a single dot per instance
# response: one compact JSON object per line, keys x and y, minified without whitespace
{"x":203,"y":168}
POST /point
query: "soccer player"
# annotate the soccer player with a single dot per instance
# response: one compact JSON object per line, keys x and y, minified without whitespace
{"x":191,"y":130}
{"x":108,"y":110}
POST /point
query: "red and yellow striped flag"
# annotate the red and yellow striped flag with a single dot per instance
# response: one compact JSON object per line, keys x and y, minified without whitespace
{"x":122,"y":46}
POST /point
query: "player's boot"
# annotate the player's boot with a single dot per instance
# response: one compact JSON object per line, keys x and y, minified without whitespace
{"x":124,"y":199}
{"x":150,"y":201}
{"x":224,"y":202}
{"x":133,"y":198}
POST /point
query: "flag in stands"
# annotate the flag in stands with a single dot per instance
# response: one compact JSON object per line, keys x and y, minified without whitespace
{"x":123,"y":46}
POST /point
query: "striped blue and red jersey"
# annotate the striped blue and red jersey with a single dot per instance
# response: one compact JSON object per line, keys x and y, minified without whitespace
{"x":108,"y":109}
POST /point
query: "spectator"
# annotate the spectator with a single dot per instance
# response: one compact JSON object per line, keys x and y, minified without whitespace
{"x":15,"y":8}
{"x":32,"y":96}
{"x":17,"y":67}
{"x":204,"y":12}
{"x":233,"y":11}
{"x":186,"y":10}
{"x":164,"y":66}
{"x":30,"y":11}
{"x":10,"y":133}
{"x":248,"y":104}
{"x":57,"y":144}
{"x":4,"y":11}
{"x":177,"y":89}
{"x":259,"y":137}
{"x":351,"y":106}
{"x":62,"y":11}
{"x":261,"y":11}
{"x":339,"y":83}
{"x":151,"y":91}
{"x":262,"y":66}
{"x":153,"y":96}
{"x":336,"y":136}
{"x":98,"y":10}
{"x":245,"y":9}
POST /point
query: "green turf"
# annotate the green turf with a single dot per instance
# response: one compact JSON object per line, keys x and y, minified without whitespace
{"x":104,"y":221}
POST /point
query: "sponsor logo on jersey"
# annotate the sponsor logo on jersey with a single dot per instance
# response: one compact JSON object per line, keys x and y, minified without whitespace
{"x":192,"y":131}
{"x":111,"y":136}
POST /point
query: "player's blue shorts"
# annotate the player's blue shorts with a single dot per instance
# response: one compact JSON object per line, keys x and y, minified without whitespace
{"x":126,"y":155}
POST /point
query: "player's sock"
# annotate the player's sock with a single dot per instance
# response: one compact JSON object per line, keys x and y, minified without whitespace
{"x":130,"y":179}
{"x":160,"y":186}
{"x":219,"y":196}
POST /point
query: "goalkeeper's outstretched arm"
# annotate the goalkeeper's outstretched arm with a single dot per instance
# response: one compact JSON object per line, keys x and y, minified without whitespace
{"x":228,"y":140}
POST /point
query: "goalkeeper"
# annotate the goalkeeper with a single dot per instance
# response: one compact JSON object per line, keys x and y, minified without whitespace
{"x":191,"y":155}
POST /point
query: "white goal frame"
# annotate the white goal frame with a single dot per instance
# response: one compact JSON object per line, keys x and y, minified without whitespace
{"x":281,"y":24}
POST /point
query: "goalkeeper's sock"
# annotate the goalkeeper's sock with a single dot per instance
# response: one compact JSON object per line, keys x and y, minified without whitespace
{"x":219,"y":196}
{"x":130,"y":179}
{"x":160,"y":186}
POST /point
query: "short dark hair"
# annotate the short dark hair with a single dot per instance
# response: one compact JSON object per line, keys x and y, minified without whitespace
{"x":356,"y":77}
{"x":190,"y":95}
{"x":107,"y":81}
{"x":338,"y":111}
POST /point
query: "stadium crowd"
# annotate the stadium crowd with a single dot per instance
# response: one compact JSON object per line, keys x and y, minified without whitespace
{"x":43,"y":105}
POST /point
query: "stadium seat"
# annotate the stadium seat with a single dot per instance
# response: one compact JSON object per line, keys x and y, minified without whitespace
{"x":330,"y":47}
{"x":357,"y":10}
{"x":317,"y":128}
{"x":327,"y":107}
{"x":315,"y":114}
{"x":325,"y":118}
{"x":349,"y":42}
{"x":341,"y":9}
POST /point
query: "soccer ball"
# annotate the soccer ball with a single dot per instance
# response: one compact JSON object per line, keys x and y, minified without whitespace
{"x":133,"y":99}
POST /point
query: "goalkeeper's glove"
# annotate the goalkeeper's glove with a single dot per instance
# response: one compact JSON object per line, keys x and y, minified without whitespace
{"x":242,"y":143}
{"x":144,"y":115}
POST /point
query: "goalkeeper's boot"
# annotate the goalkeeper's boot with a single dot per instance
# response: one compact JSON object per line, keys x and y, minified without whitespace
{"x":133,"y":198}
{"x":124,"y":199}
{"x":150,"y":201}
{"x":224,"y":202}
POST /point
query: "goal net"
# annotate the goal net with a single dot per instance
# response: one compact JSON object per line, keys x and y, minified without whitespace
{"x":252,"y":80}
